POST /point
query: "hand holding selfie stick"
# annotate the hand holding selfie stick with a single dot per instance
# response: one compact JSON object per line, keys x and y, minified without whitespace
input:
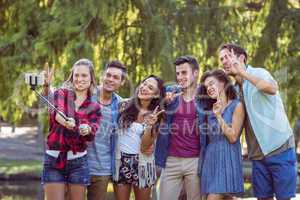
{"x":34,"y":81}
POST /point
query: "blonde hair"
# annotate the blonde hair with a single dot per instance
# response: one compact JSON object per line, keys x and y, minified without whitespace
{"x":68,"y":84}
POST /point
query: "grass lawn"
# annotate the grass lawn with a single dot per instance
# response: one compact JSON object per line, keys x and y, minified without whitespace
{"x":13,"y":167}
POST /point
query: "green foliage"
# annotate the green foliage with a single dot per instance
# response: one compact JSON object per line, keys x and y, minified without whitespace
{"x":10,"y":167}
{"x":147,"y":36}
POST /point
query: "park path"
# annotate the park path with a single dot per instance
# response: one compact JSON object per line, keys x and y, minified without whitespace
{"x":23,"y":144}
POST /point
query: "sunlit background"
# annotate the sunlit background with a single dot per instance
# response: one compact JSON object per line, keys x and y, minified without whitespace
{"x":147,"y":36}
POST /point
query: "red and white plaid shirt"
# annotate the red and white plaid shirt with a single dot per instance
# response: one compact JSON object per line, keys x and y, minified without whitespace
{"x":62,"y":139}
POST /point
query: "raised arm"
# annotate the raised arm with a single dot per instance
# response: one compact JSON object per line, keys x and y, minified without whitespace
{"x":150,"y":132}
{"x":232,"y":131}
{"x":147,"y":139}
{"x":59,"y":103}
{"x":268,"y":87}
{"x":48,"y":75}
{"x":264,"y":84}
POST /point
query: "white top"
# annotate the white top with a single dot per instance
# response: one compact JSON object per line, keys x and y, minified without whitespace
{"x":130,"y":139}
{"x":70,"y":154}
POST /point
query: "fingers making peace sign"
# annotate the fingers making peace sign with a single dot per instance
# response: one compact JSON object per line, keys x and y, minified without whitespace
{"x":48,"y":74}
{"x":151,"y":119}
{"x":237,"y":67}
{"x":217,"y":107}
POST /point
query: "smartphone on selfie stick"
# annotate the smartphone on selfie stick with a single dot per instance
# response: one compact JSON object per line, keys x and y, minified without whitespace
{"x":35,"y":80}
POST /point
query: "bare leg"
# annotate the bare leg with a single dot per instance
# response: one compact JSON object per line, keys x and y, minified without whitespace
{"x":122,"y":191}
{"x":54,"y":191}
{"x":221,"y":197}
{"x":76,"y":192}
{"x":142,"y":193}
{"x":215,"y":197}
{"x":229,"y":197}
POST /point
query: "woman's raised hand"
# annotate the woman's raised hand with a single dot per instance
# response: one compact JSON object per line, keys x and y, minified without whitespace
{"x":151,"y":119}
{"x":48,"y":74}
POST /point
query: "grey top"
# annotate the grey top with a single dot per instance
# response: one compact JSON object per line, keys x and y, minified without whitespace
{"x":99,"y":151}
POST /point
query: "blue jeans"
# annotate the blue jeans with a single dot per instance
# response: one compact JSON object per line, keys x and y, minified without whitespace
{"x":75,"y":172}
{"x":275,"y":175}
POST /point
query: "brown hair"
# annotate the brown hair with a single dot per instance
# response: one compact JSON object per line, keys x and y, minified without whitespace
{"x":130,"y":113}
{"x":191,"y":60}
{"x":119,"y":65}
{"x":221,"y":76}
{"x":236,"y":49}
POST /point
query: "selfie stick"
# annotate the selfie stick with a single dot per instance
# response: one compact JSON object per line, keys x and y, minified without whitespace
{"x":33,"y":84}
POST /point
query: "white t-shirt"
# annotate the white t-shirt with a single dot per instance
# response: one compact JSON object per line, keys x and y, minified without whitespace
{"x":130,"y":139}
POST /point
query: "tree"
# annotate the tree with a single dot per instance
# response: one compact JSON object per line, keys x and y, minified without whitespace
{"x":147,"y":36}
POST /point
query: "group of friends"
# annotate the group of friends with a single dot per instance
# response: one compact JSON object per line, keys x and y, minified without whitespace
{"x":188,"y":134}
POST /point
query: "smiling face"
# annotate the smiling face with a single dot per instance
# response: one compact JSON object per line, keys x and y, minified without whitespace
{"x":148,"y":89}
{"x":225,"y":61}
{"x":112,"y":79}
{"x":185,"y":75}
{"x":213,"y":87}
{"x":81,"y":77}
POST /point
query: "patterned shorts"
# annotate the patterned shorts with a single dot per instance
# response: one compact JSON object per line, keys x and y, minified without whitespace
{"x":128,"y":172}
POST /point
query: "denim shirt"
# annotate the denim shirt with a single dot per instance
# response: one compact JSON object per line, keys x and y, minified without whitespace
{"x":114,"y":109}
{"x":163,"y":139}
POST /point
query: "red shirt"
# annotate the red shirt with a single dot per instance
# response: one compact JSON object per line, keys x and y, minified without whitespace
{"x":185,"y":134}
{"x":62,"y":139}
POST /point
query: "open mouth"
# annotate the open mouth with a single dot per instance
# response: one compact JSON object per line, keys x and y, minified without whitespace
{"x":211,"y":92}
{"x":227,"y":68}
{"x":143,"y":93}
{"x":182,"y":82}
{"x":110,"y":85}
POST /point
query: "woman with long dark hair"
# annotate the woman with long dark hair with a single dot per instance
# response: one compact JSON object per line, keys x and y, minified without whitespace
{"x":222,"y":175}
{"x":139,"y":119}
{"x":65,"y":163}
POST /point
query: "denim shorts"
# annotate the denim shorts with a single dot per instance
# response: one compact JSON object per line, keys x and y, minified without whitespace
{"x":75,"y":172}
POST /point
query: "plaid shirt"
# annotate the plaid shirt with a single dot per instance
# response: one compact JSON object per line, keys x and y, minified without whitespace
{"x":62,"y":139}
